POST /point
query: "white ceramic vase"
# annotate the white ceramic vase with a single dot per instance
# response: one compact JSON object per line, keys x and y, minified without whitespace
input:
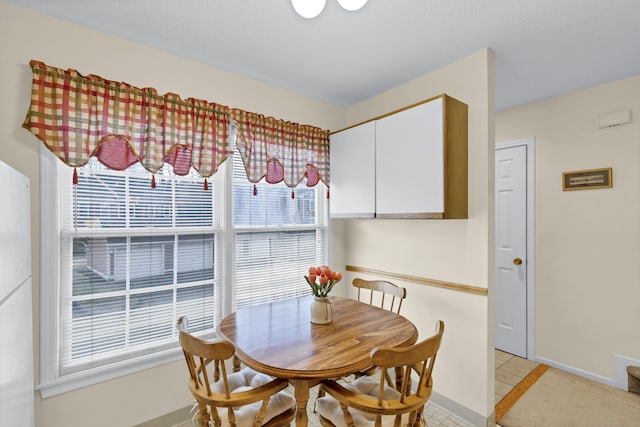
{"x":321,"y":311}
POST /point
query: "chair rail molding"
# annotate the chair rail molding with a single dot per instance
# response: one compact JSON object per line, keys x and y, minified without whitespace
{"x":422,"y":280}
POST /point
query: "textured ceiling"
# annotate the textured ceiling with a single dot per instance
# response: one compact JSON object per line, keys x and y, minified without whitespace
{"x":542,"y":47}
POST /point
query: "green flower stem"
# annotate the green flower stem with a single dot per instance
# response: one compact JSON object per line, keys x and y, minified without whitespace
{"x":319,"y":290}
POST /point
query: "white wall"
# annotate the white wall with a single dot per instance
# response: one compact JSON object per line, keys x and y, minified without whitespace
{"x":587,"y":242}
{"x":459,"y":251}
{"x":28,"y":35}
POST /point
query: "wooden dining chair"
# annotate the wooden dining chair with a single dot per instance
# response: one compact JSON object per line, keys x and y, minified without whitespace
{"x":380,"y":293}
{"x":371,"y":401}
{"x":243,"y":398}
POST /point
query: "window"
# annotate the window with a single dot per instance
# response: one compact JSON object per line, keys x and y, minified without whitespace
{"x":133,"y":258}
{"x":277,"y":238}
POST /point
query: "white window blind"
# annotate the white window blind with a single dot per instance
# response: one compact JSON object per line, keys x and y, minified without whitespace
{"x":136,"y":257}
{"x":277,"y":239}
{"x":127,"y":260}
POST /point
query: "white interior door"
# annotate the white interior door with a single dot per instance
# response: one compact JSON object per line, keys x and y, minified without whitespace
{"x":511,"y":248}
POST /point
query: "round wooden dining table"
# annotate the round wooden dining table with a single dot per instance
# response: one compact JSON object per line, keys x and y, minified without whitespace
{"x":278,"y":339}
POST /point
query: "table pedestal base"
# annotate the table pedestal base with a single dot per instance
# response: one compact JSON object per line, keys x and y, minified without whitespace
{"x":301,"y":392}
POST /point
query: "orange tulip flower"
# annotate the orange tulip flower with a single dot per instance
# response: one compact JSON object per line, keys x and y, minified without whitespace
{"x":327,"y":279}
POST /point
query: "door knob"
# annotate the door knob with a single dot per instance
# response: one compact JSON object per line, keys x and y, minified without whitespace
{"x":517,"y":261}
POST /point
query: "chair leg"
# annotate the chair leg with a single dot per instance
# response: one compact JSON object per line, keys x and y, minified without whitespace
{"x":321,"y":393}
{"x":236,"y":363}
{"x":422,"y":420}
{"x":203,"y":416}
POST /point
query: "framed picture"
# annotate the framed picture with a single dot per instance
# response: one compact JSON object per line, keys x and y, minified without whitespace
{"x":587,"y":179}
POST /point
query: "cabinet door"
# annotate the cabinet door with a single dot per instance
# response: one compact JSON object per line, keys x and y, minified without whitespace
{"x":410,"y":163}
{"x":352,"y":158}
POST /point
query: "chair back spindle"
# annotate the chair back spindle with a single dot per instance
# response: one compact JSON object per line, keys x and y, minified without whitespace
{"x":382,"y":291}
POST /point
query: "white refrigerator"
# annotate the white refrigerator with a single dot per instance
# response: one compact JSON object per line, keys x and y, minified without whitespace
{"x":16,"y":332}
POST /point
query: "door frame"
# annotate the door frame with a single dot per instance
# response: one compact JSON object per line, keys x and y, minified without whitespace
{"x":530,"y":145}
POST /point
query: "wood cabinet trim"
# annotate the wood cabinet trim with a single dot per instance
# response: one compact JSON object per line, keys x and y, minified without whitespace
{"x":411,"y":215}
{"x":390,"y":113}
{"x":456,"y":153}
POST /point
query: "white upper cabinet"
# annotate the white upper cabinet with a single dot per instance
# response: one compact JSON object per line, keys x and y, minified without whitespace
{"x":352,"y":157}
{"x":421,"y":161}
{"x":418,"y":156}
{"x":409,"y":153}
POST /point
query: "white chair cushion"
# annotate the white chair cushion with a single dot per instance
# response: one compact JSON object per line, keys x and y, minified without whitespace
{"x":248,"y":379}
{"x":329,"y":408}
{"x":245,"y":377}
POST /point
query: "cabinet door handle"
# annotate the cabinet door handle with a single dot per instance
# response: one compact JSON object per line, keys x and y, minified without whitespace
{"x":517,"y":261}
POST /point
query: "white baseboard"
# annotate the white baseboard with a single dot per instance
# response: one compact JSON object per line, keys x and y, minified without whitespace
{"x":578,"y":372}
{"x":620,"y":375}
{"x":459,"y":410}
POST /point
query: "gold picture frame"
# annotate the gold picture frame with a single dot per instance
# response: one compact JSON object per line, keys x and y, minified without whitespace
{"x":587,"y":179}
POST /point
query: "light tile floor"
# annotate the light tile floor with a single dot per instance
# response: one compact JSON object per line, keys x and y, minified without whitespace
{"x":510,"y":370}
{"x":439,"y":417}
{"x":436,"y":417}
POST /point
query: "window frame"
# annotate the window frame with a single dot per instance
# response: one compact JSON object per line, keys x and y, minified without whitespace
{"x":52,"y":382}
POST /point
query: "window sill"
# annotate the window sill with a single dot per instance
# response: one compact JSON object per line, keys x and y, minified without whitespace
{"x":104,"y":373}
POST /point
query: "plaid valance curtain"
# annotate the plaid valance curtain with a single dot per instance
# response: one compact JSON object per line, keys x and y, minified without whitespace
{"x":279,"y":150}
{"x":78,"y":117}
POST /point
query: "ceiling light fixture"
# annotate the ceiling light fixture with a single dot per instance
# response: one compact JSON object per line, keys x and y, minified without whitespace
{"x":308,"y":8}
{"x":352,"y":4}
{"x":312,"y":8}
